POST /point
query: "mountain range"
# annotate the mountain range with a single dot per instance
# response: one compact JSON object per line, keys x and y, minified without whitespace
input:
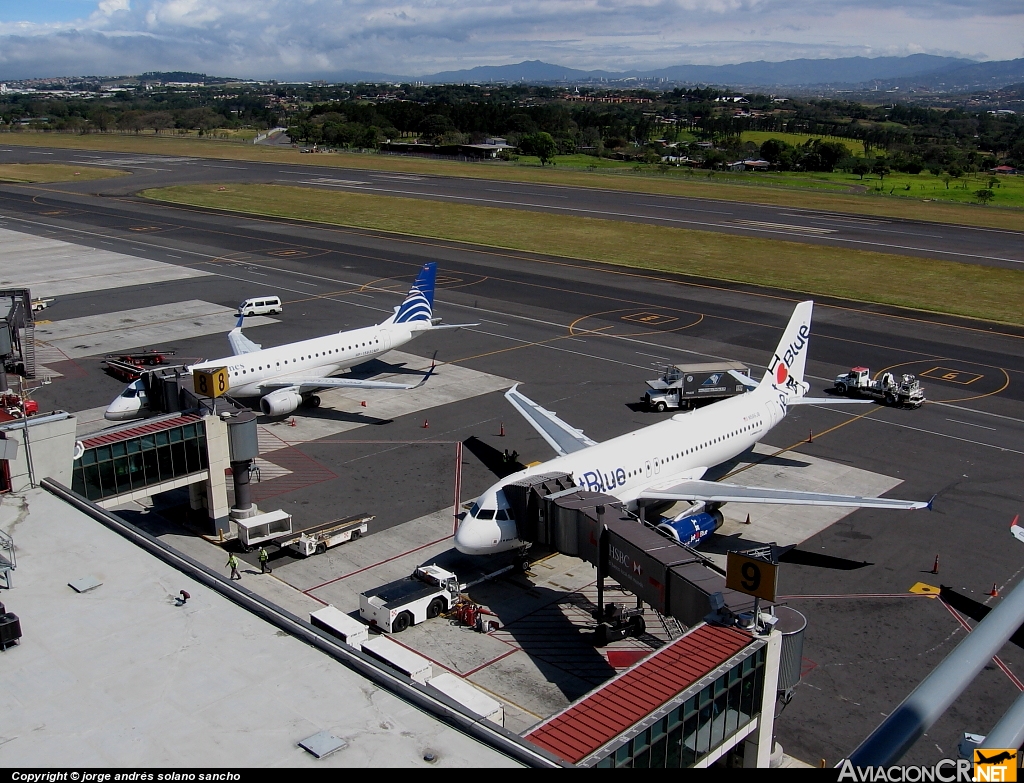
{"x":923,"y":70}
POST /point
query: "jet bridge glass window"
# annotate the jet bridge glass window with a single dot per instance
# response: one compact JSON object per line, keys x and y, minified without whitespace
{"x":700,"y":724}
{"x":141,"y":462}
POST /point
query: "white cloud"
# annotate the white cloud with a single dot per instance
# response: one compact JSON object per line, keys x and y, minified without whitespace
{"x":310,"y":38}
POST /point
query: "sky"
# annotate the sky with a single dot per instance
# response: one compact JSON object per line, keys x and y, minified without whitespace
{"x":308,"y":39}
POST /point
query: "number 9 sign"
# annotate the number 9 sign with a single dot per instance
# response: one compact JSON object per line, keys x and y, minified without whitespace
{"x":210,"y":383}
{"x":751,"y":576}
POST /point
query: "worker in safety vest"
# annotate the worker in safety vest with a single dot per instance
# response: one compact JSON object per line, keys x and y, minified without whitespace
{"x":233,"y":565}
{"x":264,"y":565}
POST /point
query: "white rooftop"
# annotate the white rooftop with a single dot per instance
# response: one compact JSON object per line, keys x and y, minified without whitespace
{"x":120,"y":675}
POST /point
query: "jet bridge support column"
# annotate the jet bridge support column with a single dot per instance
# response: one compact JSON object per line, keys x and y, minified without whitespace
{"x":243,"y":446}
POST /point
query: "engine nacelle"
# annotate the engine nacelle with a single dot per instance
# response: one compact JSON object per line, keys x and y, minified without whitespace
{"x":280,"y":403}
{"x":690,"y":529}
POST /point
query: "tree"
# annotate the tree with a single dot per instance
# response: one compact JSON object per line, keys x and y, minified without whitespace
{"x":984,"y":196}
{"x":540,"y":144}
{"x":881,"y":168}
{"x":861,"y":167}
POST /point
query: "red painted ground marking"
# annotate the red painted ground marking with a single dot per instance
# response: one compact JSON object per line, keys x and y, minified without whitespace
{"x":374,"y":565}
{"x":995,"y":659}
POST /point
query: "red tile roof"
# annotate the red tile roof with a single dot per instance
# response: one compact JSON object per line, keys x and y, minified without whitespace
{"x":107,"y":438}
{"x":624,"y":701}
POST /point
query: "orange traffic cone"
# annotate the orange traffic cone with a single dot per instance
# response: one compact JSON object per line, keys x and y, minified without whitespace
{"x":501,"y":432}
{"x":748,"y":520}
{"x":810,"y":436}
{"x":995,"y":591}
{"x":363,"y":403}
{"x":425,"y":424}
{"x":292,"y":422}
{"x":935,"y":568}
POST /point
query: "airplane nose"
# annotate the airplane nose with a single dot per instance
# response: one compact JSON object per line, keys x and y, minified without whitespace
{"x":471,"y":538}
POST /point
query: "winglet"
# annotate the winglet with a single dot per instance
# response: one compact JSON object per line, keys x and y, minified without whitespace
{"x":931,"y":501}
{"x":241,"y":318}
{"x":433,"y":364}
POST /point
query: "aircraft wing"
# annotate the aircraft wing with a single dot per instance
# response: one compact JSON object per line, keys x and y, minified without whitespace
{"x":239,"y":342}
{"x":563,"y":438}
{"x":305,"y":385}
{"x":715,"y":492}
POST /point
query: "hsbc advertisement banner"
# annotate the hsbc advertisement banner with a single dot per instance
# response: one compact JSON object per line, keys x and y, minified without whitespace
{"x":639,"y":559}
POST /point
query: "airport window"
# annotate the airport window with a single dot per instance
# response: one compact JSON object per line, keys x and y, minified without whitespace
{"x":138,"y":463}
{"x":700,"y":724}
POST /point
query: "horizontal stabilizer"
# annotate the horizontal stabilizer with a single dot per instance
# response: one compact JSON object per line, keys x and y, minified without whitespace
{"x":827,"y":401}
{"x":716,"y":492}
{"x":746,"y":380}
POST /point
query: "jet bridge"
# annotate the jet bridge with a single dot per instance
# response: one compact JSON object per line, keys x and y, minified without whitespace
{"x":673,"y":579}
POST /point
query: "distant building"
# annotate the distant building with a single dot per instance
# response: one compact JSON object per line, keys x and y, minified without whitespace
{"x":1004,"y":170}
{"x":749,"y":165}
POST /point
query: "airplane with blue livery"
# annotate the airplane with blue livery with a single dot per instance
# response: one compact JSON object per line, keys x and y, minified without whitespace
{"x":664,"y":464}
{"x":291,"y":375}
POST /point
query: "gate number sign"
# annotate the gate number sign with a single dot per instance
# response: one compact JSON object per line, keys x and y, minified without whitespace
{"x":210,"y":383}
{"x":751,"y":576}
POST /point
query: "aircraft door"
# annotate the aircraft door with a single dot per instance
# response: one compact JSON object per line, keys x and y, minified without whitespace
{"x":648,"y":465}
{"x":385,"y":339}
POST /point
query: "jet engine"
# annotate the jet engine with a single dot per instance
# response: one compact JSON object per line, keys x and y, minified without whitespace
{"x":280,"y":403}
{"x":689,"y":528}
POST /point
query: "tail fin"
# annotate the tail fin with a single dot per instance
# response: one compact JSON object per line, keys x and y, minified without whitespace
{"x":419,"y":304}
{"x":786,"y":367}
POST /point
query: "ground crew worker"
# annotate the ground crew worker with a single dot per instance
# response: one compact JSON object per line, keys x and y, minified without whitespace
{"x":233,"y":565}
{"x":264,"y":566}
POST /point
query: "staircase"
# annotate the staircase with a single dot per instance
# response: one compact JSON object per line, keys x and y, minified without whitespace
{"x":28,"y":347}
{"x":673,"y":628}
{"x":8,"y":558}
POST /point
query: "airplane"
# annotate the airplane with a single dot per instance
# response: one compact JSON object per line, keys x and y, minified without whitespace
{"x":291,"y":375}
{"x":662,"y":464}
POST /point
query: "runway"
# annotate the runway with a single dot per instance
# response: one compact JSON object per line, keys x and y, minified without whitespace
{"x":581,"y":339}
{"x":987,"y":246}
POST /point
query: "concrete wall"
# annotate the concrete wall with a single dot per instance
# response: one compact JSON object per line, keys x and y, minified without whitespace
{"x":51,"y":444}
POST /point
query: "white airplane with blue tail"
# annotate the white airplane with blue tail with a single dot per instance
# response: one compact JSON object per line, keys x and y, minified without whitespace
{"x":291,"y":375}
{"x":663,"y":464}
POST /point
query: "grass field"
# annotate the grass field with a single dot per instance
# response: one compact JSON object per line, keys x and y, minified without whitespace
{"x":53,"y":172}
{"x":796,"y":139}
{"x":753,"y":188}
{"x":925,"y":284}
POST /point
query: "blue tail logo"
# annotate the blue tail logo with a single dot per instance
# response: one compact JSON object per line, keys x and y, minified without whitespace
{"x":419,"y":304}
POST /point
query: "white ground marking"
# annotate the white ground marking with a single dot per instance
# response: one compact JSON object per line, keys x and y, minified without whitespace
{"x":51,"y":267}
{"x":127,"y":329}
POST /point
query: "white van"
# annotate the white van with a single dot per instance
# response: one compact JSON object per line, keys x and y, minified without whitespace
{"x":261,"y":305}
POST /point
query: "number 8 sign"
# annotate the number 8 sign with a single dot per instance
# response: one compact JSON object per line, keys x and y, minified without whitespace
{"x":751,"y":576}
{"x":210,"y":383}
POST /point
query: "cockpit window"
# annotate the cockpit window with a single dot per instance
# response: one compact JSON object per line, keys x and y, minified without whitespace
{"x":501,"y":514}
{"x":130,"y":392}
{"x":485,"y":513}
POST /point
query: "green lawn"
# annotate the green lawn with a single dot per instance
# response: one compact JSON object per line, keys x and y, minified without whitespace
{"x":53,"y":172}
{"x":795,"y":139}
{"x":988,"y":293}
{"x":804,"y":191}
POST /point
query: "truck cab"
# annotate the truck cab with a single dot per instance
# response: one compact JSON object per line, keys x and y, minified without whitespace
{"x":856,"y":378}
{"x":393,"y":607}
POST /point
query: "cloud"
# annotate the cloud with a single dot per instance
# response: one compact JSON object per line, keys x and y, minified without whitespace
{"x":291,"y":39}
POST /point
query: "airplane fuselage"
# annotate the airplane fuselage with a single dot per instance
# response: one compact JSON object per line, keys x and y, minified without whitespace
{"x":684,"y":447}
{"x":318,"y":357}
